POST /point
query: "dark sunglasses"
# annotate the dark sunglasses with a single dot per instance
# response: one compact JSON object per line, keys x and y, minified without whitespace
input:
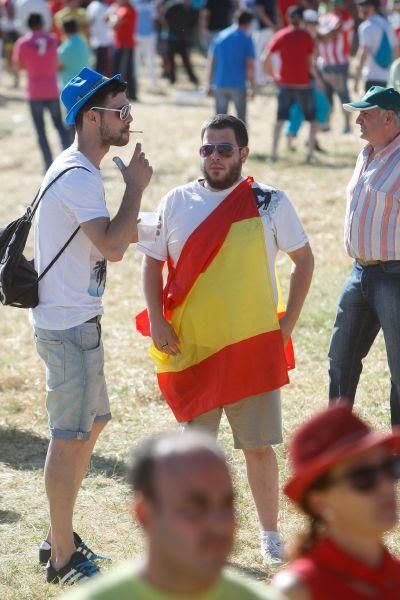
{"x":225,"y":150}
{"x":366,"y":479}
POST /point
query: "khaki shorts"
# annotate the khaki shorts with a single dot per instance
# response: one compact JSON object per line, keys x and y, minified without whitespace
{"x":255,"y":421}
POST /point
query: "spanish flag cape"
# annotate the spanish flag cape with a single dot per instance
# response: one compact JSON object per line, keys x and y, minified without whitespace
{"x":219,"y":300}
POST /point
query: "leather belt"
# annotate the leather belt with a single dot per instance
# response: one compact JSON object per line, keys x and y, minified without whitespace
{"x":95,"y":319}
{"x":368,"y":263}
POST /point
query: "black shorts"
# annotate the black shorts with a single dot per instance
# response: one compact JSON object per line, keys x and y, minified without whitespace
{"x":289,"y":95}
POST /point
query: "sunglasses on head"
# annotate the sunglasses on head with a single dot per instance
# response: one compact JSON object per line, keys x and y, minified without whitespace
{"x":124,"y":111}
{"x":225,"y":150}
{"x":368,"y":477}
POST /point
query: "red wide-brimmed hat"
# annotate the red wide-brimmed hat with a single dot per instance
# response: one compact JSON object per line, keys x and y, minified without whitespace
{"x":327,"y":438}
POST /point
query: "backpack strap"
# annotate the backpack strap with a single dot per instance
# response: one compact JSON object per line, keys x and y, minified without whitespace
{"x":57,"y":256}
{"x":32,"y":208}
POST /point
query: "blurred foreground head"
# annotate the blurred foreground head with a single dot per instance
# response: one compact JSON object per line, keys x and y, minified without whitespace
{"x":183,"y":499}
{"x":344,"y":475}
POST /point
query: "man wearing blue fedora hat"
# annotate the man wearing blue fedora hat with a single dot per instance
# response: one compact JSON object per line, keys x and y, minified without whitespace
{"x":67,"y":319}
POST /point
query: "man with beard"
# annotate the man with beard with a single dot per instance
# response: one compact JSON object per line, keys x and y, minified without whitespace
{"x":218,"y":344}
{"x":73,"y":215}
{"x":184,"y":503}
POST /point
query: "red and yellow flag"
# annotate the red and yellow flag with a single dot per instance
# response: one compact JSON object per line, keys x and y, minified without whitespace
{"x":220,"y":301}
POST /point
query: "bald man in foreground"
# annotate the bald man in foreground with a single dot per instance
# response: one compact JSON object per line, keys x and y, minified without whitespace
{"x":183,"y":500}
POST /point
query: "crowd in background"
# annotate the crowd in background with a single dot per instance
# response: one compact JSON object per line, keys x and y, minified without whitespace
{"x":126,"y":36}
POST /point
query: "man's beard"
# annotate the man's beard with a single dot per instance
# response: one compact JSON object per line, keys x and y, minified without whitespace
{"x":112,"y":138}
{"x":230,"y":178}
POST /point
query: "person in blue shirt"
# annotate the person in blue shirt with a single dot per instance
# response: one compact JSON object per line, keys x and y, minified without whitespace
{"x":73,"y":54}
{"x":231,"y":66}
{"x":146,"y":38}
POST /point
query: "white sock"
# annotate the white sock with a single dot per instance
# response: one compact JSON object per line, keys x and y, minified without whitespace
{"x":270,"y":535}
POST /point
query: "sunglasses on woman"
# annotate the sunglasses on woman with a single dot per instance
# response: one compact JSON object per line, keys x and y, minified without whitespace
{"x":368,"y":477}
{"x":124,"y":111}
{"x":225,"y":150}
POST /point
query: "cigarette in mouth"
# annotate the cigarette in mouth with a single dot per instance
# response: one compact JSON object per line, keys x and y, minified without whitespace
{"x":135,"y":131}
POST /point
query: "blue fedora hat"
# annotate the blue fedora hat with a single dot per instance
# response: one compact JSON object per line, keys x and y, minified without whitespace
{"x":80,"y":88}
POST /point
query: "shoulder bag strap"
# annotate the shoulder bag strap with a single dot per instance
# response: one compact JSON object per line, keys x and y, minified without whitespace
{"x":35,"y":202}
{"x":71,"y":236}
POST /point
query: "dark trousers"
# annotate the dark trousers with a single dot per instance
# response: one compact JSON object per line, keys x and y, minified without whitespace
{"x":37,"y":111}
{"x":103,"y":60}
{"x":182,"y":48}
{"x":124,"y":63}
{"x":370,"y":301}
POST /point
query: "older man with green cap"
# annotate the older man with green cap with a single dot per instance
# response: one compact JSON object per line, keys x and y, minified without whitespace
{"x":73,"y":215}
{"x":370,"y":299}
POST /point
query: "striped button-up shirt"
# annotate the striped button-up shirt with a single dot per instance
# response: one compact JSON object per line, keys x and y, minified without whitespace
{"x":372,"y":224}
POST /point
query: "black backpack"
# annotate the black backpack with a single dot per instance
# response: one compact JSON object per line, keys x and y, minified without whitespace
{"x":19,"y":281}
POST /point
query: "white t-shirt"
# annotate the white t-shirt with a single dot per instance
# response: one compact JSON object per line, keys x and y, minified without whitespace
{"x":24,"y":8}
{"x":370,"y":35}
{"x":184,"y":208}
{"x":70,"y":293}
{"x":100,"y":31}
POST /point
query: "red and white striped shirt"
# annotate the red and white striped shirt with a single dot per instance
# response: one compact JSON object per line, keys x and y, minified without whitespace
{"x":336,"y":50}
{"x":372,"y":224}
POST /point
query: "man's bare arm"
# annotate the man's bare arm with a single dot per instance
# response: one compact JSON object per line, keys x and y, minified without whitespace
{"x":264,"y":18}
{"x":266,"y":59}
{"x":162,"y":333}
{"x":112,"y":237}
{"x":363,"y":53}
{"x":300,"y":281}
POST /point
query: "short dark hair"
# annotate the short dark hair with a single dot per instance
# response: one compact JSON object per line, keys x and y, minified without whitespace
{"x":152,"y":451}
{"x":228,"y":122}
{"x":294,"y":14}
{"x":70,"y":26}
{"x":244,"y":17}
{"x":113,"y":88}
{"x":35,"y":21}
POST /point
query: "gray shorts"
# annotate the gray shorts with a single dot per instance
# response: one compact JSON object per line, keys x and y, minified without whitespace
{"x":75,"y":384}
{"x":255,"y":421}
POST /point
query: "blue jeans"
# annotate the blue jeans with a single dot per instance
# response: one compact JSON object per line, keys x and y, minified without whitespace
{"x":223,"y":96}
{"x":370,"y":300}
{"x":37,"y":111}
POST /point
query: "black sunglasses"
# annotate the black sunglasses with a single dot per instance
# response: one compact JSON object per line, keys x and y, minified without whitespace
{"x":366,"y":479}
{"x":225,"y":150}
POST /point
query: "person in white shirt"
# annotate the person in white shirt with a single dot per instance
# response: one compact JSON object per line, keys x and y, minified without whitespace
{"x":24,"y":8}
{"x":378,"y":46}
{"x":100,"y":35}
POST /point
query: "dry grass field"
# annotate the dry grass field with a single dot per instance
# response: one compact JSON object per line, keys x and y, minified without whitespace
{"x":171,"y":121}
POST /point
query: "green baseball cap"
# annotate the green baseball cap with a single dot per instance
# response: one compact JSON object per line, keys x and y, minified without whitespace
{"x":377,"y":96}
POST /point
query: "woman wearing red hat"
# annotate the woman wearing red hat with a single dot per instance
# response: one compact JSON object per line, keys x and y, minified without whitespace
{"x":343,"y":478}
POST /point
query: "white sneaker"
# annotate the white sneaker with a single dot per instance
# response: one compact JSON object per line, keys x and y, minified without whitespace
{"x":272,"y":549}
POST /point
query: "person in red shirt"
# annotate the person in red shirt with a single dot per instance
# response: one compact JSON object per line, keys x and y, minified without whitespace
{"x":295,"y":48}
{"x":124,"y":19}
{"x":335,"y":35}
{"x":344,"y":478}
